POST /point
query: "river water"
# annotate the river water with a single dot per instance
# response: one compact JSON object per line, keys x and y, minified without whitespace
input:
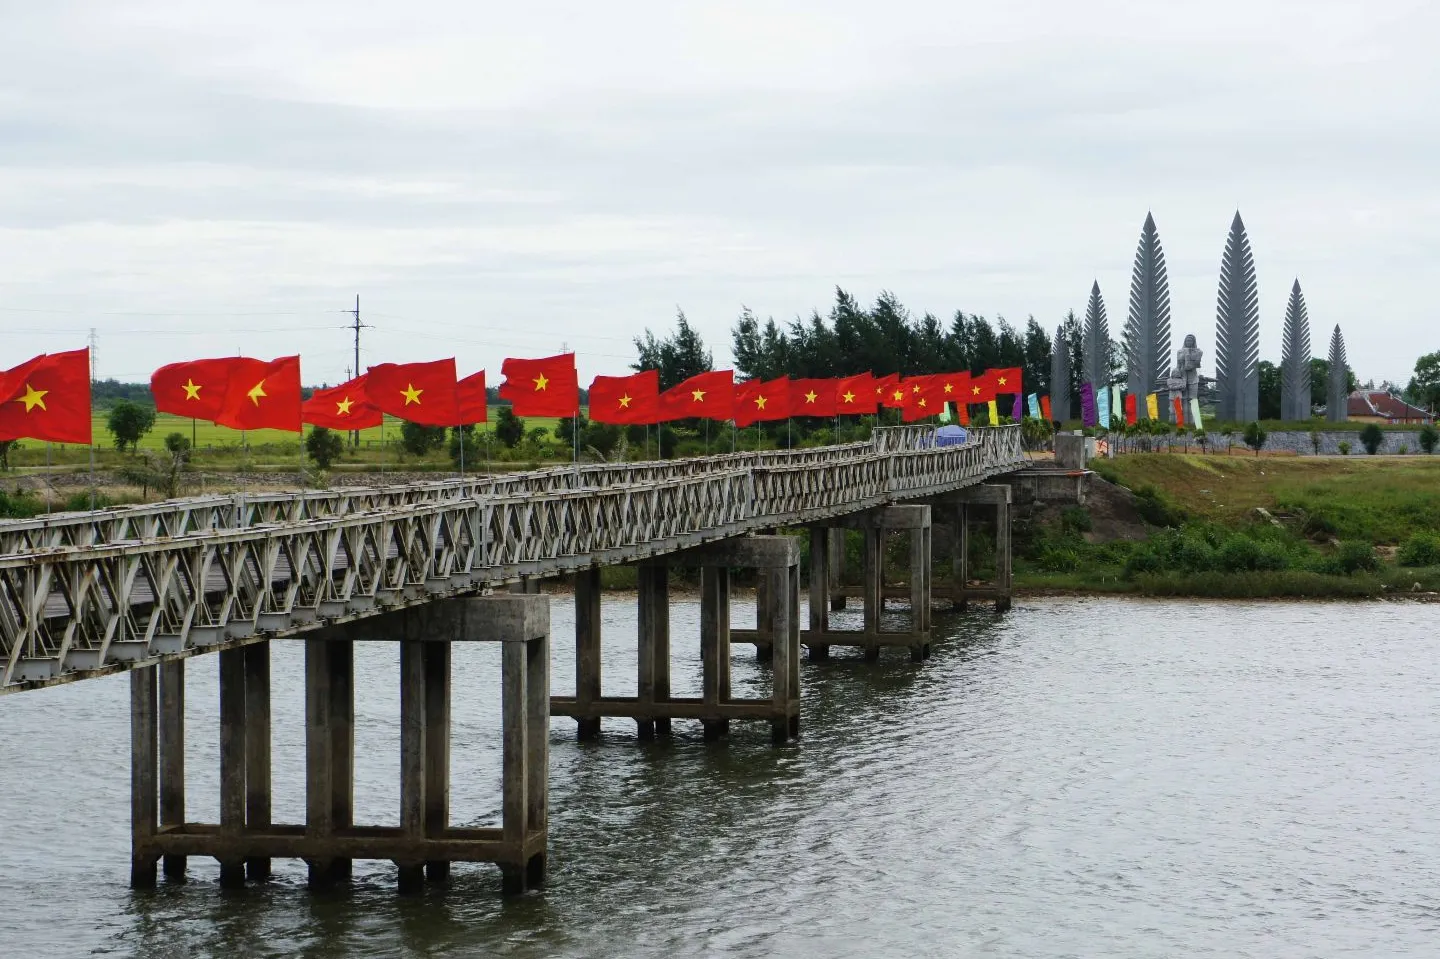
{"x":1078,"y":778}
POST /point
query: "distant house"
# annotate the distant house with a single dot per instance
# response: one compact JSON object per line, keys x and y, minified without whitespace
{"x":1378,"y":406}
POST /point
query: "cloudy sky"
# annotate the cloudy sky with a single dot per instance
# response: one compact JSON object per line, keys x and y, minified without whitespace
{"x":507,"y":179}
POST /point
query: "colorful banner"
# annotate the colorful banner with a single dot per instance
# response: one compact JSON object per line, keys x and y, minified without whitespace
{"x":1034,"y":406}
{"x":1017,"y":409}
{"x":1045,"y":406}
{"x":1117,"y":404}
{"x":1179,"y":408}
{"x":1088,"y":416}
{"x":1195,"y":419}
{"x":994,"y":413}
{"x":1152,"y":406}
{"x":1102,"y":404}
{"x":1130,"y":415}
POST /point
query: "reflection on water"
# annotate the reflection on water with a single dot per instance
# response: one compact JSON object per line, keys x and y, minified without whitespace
{"x":1079,"y":778}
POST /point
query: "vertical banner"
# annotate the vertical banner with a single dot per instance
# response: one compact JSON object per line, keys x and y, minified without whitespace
{"x":1131,"y":416}
{"x":994,"y":413}
{"x":1116,"y":403}
{"x":1034,"y":406}
{"x":1179,"y":408}
{"x":1195,"y":420}
{"x":1045,"y":406}
{"x":1102,"y":406}
{"x":1152,"y":406}
{"x":1087,"y":405}
{"x":964,"y":411}
{"x":1017,"y":409}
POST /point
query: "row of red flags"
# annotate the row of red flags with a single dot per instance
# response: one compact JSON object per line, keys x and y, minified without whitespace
{"x":48,"y":397}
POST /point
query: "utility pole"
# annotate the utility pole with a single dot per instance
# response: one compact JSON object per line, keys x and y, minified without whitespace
{"x":355,"y":434}
{"x":94,"y":346}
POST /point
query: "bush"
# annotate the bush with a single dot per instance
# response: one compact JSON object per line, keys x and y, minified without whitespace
{"x":417,"y":440}
{"x":1315,"y":441}
{"x":1403,"y":448}
{"x":1344,"y":447}
{"x":464,"y":447}
{"x":1353,"y":557}
{"x":1372,"y":438}
{"x":19,"y":505}
{"x":1076,"y":519}
{"x":1421,"y":549}
{"x":1153,"y":508}
{"x":178,"y":444}
{"x":1255,"y":437}
{"x":1429,"y":436}
{"x":1319,"y":526}
{"x":325,"y":446}
{"x":509,"y":428}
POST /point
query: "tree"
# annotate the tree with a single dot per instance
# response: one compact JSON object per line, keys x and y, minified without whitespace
{"x":1428,"y":438}
{"x":1269,"y":391}
{"x":1424,"y":387}
{"x":178,"y":444}
{"x":417,"y":440}
{"x":509,"y":428}
{"x":1315,"y":441}
{"x":325,"y":447}
{"x":676,"y":357}
{"x":1372,"y":437}
{"x":5,"y":447}
{"x":464,"y":447}
{"x":1255,"y":437}
{"x":129,"y":422}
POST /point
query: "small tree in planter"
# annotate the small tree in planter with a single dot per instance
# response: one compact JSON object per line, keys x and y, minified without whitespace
{"x":1344,"y":447}
{"x":1372,"y":437}
{"x":1229,"y":435}
{"x":1429,"y":436}
{"x":1255,"y":437}
{"x":1315,"y":441}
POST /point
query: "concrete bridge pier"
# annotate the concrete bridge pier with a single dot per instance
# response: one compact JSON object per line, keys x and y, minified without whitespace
{"x":915,"y":521}
{"x":777,"y":559}
{"x":969,"y":505}
{"x":424,"y":843}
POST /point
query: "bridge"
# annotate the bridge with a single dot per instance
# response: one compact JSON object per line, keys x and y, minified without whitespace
{"x":143,"y":588}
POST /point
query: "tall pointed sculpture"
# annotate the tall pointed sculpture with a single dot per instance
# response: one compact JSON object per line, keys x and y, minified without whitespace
{"x":1237,"y":331}
{"x":1295,"y":360}
{"x":1095,"y":347}
{"x":1060,"y":376}
{"x":1147,"y":329}
{"x":1338,"y":396}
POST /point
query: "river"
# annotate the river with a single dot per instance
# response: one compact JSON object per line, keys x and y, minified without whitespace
{"x":1078,"y":778}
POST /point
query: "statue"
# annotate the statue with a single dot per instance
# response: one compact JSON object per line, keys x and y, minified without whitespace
{"x":1185,"y":384}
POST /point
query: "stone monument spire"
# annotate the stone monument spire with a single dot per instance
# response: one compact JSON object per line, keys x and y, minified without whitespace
{"x":1295,"y":359}
{"x":1060,"y":376}
{"x":1237,"y":331}
{"x":1338,"y":396}
{"x":1095,"y":347}
{"x":1147,"y":329}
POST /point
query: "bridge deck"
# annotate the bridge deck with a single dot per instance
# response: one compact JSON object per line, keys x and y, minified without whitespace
{"x":84,"y":594}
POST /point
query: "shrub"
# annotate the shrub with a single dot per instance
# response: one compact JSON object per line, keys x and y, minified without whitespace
{"x":19,"y":505}
{"x":324,"y":446}
{"x":1318,"y":525}
{"x":464,"y":446}
{"x":1239,"y":554}
{"x":1403,"y":448}
{"x":178,"y":444}
{"x":1076,"y":519}
{"x":1143,"y":560}
{"x":509,"y":428}
{"x":1315,"y":441}
{"x":417,"y":440}
{"x":1154,"y":510}
{"x":1429,"y":436}
{"x":1372,"y":438}
{"x":1344,"y":447}
{"x":1353,"y":557}
{"x":1255,"y":437}
{"x":1421,"y":549}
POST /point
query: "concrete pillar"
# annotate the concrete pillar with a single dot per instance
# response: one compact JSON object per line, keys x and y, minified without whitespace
{"x":654,"y":645}
{"x":715,"y":643}
{"x":525,"y":721}
{"x":437,"y":751}
{"x":1004,"y":575}
{"x":874,"y":585}
{"x":144,"y":758}
{"x":587,"y":646}
{"x":232,"y":760}
{"x":919,"y":589}
{"x":821,"y":540}
{"x":961,"y":554}
{"x":172,"y":757}
{"x":781,"y":621}
{"x":793,"y":592}
{"x":342,"y":752}
{"x":412,"y":761}
{"x":537,"y":752}
{"x":257,"y":749}
{"x":837,"y":570}
{"x":329,"y":751}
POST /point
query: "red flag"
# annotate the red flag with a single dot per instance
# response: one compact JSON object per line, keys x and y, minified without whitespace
{"x":922,"y":398}
{"x":263,"y":396}
{"x":1045,"y":406}
{"x":1130,"y":414}
{"x":1006,"y":380}
{"x":47,"y":398}
{"x":954,"y":387}
{"x":758,"y":401}
{"x":424,"y":393}
{"x":885,"y":389}
{"x":982,"y":388}
{"x":342,"y":407}
{"x":195,"y":388}
{"x":709,"y":396}
{"x":1179,"y":410}
{"x":472,"y":399}
{"x":626,"y":400}
{"x":963,"y":409}
{"x":812,"y":398}
{"x":545,"y":387}
{"x":855,"y":395}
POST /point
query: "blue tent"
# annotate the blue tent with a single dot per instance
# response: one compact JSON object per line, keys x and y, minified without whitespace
{"x":951,"y":436}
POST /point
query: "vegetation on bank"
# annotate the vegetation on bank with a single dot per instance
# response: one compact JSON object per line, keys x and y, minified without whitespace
{"x":1241,"y":527}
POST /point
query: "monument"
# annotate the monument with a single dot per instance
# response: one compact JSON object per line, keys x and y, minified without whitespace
{"x":1185,"y":384}
{"x":1060,"y":376}
{"x":1237,"y":331}
{"x":1295,"y":360}
{"x":1147,"y":328}
{"x":1095,"y":345}
{"x":1337,"y":397}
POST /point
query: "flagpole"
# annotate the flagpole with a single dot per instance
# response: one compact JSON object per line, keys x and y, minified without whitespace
{"x":460,"y":435}
{"x":92,"y":472}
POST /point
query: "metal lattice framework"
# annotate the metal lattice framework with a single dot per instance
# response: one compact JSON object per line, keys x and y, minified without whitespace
{"x":1095,"y":348}
{"x":1295,"y":359}
{"x":1237,"y":330}
{"x":88,"y":596}
{"x":1060,"y":376}
{"x":1147,"y":328}
{"x":1337,"y":397}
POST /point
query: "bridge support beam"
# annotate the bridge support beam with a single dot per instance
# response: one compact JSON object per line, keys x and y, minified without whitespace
{"x":966,"y":506}
{"x":777,"y":560}
{"x":424,"y":843}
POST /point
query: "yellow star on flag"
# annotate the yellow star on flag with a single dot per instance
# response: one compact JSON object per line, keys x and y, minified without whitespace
{"x":625,"y":402}
{"x":974,"y":391}
{"x":541,"y":383}
{"x":899,"y":395}
{"x":256,"y":392}
{"x":1002,"y":381}
{"x":411,"y":394}
{"x":915,"y":388}
{"x":33,"y":398}
{"x":848,"y":397}
{"x":342,"y":408}
{"x":811,"y":396}
{"x":192,"y":389}
{"x":697,"y":396}
{"x":922,"y":401}
{"x":759,"y":402}
{"x":949,"y":388}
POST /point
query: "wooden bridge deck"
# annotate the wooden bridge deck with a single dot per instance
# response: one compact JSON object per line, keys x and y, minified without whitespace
{"x":86,"y":594}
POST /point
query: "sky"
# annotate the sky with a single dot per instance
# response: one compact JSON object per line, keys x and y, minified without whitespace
{"x":201,"y":179}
